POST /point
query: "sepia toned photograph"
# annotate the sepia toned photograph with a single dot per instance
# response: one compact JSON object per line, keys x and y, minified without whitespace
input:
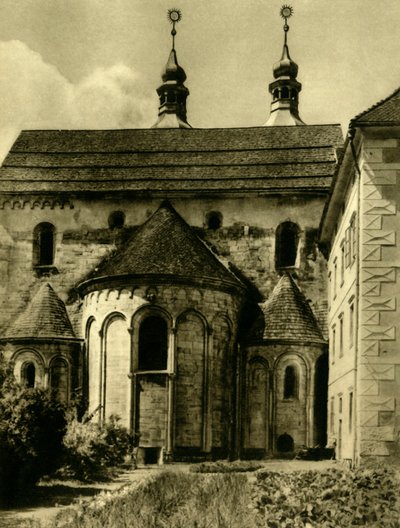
{"x":199,"y":264}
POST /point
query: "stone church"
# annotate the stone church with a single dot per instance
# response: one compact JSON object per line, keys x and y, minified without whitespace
{"x":172,"y":276}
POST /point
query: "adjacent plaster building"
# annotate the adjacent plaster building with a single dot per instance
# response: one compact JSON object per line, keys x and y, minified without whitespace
{"x":172,"y":276}
{"x":360,"y":232}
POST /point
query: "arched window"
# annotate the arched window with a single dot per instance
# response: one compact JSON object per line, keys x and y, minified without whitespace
{"x":214,"y":220}
{"x":276,"y":94}
{"x":291,"y":383}
{"x":59,"y":380}
{"x":153,"y":344}
{"x":116,"y":219}
{"x":285,"y":443}
{"x":286,"y":242}
{"x":28,"y":375}
{"x":43,"y":244}
{"x":285,"y":93}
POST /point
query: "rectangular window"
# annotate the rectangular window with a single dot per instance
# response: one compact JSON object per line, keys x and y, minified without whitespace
{"x":334,"y":277}
{"x":353,"y":237}
{"x":341,"y":262}
{"x":340,"y":404}
{"x":341,"y":335}
{"x":329,"y":288}
{"x":347,"y":248}
{"x":332,"y":415}
{"x":333,"y":343}
{"x":351,"y":324}
{"x":350,"y":411}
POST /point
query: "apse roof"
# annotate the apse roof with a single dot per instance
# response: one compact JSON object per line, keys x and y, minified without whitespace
{"x":171,"y":161}
{"x":45,"y":317}
{"x":165,"y":245}
{"x":385,"y":111}
{"x":287,"y":316}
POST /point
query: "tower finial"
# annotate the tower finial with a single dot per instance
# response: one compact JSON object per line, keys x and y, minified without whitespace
{"x":285,"y":88}
{"x":286,"y":12}
{"x":172,"y":93}
{"x":174,"y":16}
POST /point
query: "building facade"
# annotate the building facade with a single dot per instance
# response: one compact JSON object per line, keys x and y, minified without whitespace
{"x":360,"y":234}
{"x":174,"y":274}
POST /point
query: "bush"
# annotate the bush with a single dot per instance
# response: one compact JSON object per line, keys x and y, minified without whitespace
{"x":222,"y":466}
{"x":90,"y":448}
{"x":31,"y":430}
{"x":327,"y":499}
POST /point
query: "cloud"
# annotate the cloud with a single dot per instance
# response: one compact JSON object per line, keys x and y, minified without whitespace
{"x":34,"y":94}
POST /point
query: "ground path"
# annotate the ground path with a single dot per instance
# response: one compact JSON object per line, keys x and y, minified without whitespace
{"x":51,"y":497}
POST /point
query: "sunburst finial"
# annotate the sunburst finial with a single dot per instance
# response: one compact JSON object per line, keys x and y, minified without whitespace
{"x":174,"y":16}
{"x":286,"y":12}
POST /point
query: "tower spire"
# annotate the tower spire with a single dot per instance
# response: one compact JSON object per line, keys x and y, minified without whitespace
{"x":172,"y":92}
{"x":285,"y":88}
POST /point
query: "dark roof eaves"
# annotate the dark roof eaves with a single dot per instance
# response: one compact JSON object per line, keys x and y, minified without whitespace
{"x":44,"y":338}
{"x":285,"y":341}
{"x":89,"y":285}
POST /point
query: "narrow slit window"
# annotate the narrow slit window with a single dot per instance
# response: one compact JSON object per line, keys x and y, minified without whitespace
{"x":286,"y":244}
{"x":29,"y":375}
{"x":43,"y":244}
{"x":291,"y":385}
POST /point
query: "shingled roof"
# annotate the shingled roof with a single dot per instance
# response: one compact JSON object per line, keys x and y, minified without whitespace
{"x":386,"y":111}
{"x":165,"y":245}
{"x":287,"y":316}
{"x":45,"y":317}
{"x":262,"y":159}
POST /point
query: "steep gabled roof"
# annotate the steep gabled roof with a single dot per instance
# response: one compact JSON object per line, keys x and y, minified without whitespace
{"x":386,"y":111}
{"x":287,"y":316}
{"x":165,"y":245}
{"x":170,"y":161}
{"x":45,"y":317}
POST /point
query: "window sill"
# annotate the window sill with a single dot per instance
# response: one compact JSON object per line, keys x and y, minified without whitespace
{"x":42,"y":271}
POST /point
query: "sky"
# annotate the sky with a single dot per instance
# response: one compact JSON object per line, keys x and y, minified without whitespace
{"x":97,"y":63}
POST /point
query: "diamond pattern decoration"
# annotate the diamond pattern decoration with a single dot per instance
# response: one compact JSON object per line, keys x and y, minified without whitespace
{"x":380,"y":177}
{"x":387,"y":304}
{"x":382,"y":207}
{"x":385,"y":238}
{"x":379,"y":274}
{"x":372,"y":290}
{"x":372,"y":253}
{"x":387,"y":334}
{"x":370,"y":349}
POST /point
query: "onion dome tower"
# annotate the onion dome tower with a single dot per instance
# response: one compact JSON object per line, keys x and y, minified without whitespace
{"x":172,"y":93}
{"x":285,"y":88}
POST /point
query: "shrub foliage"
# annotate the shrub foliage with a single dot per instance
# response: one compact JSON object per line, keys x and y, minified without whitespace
{"x":91,"y":448}
{"x":327,"y":499}
{"x":31,"y":430}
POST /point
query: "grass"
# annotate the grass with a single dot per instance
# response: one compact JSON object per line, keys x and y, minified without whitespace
{"x":222,"y":466}
{"x":327,"y":498}
{"x":169,"y":500}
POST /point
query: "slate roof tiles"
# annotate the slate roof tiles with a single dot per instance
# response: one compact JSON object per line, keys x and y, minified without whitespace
{"x":165,"y":245}
{"x":287,"y":316}
{"x":45,"y":317}
{"x":173,"y":160}
{"x":385,"y":111}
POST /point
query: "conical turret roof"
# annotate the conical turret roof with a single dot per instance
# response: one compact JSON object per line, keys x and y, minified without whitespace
{"x":165,"y":245}
{"x":287,"y":316}
{"x":45,"y":317}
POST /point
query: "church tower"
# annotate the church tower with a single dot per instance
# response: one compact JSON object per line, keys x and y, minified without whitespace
{"x":285,"y":88}
{"x":173,"y":92}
